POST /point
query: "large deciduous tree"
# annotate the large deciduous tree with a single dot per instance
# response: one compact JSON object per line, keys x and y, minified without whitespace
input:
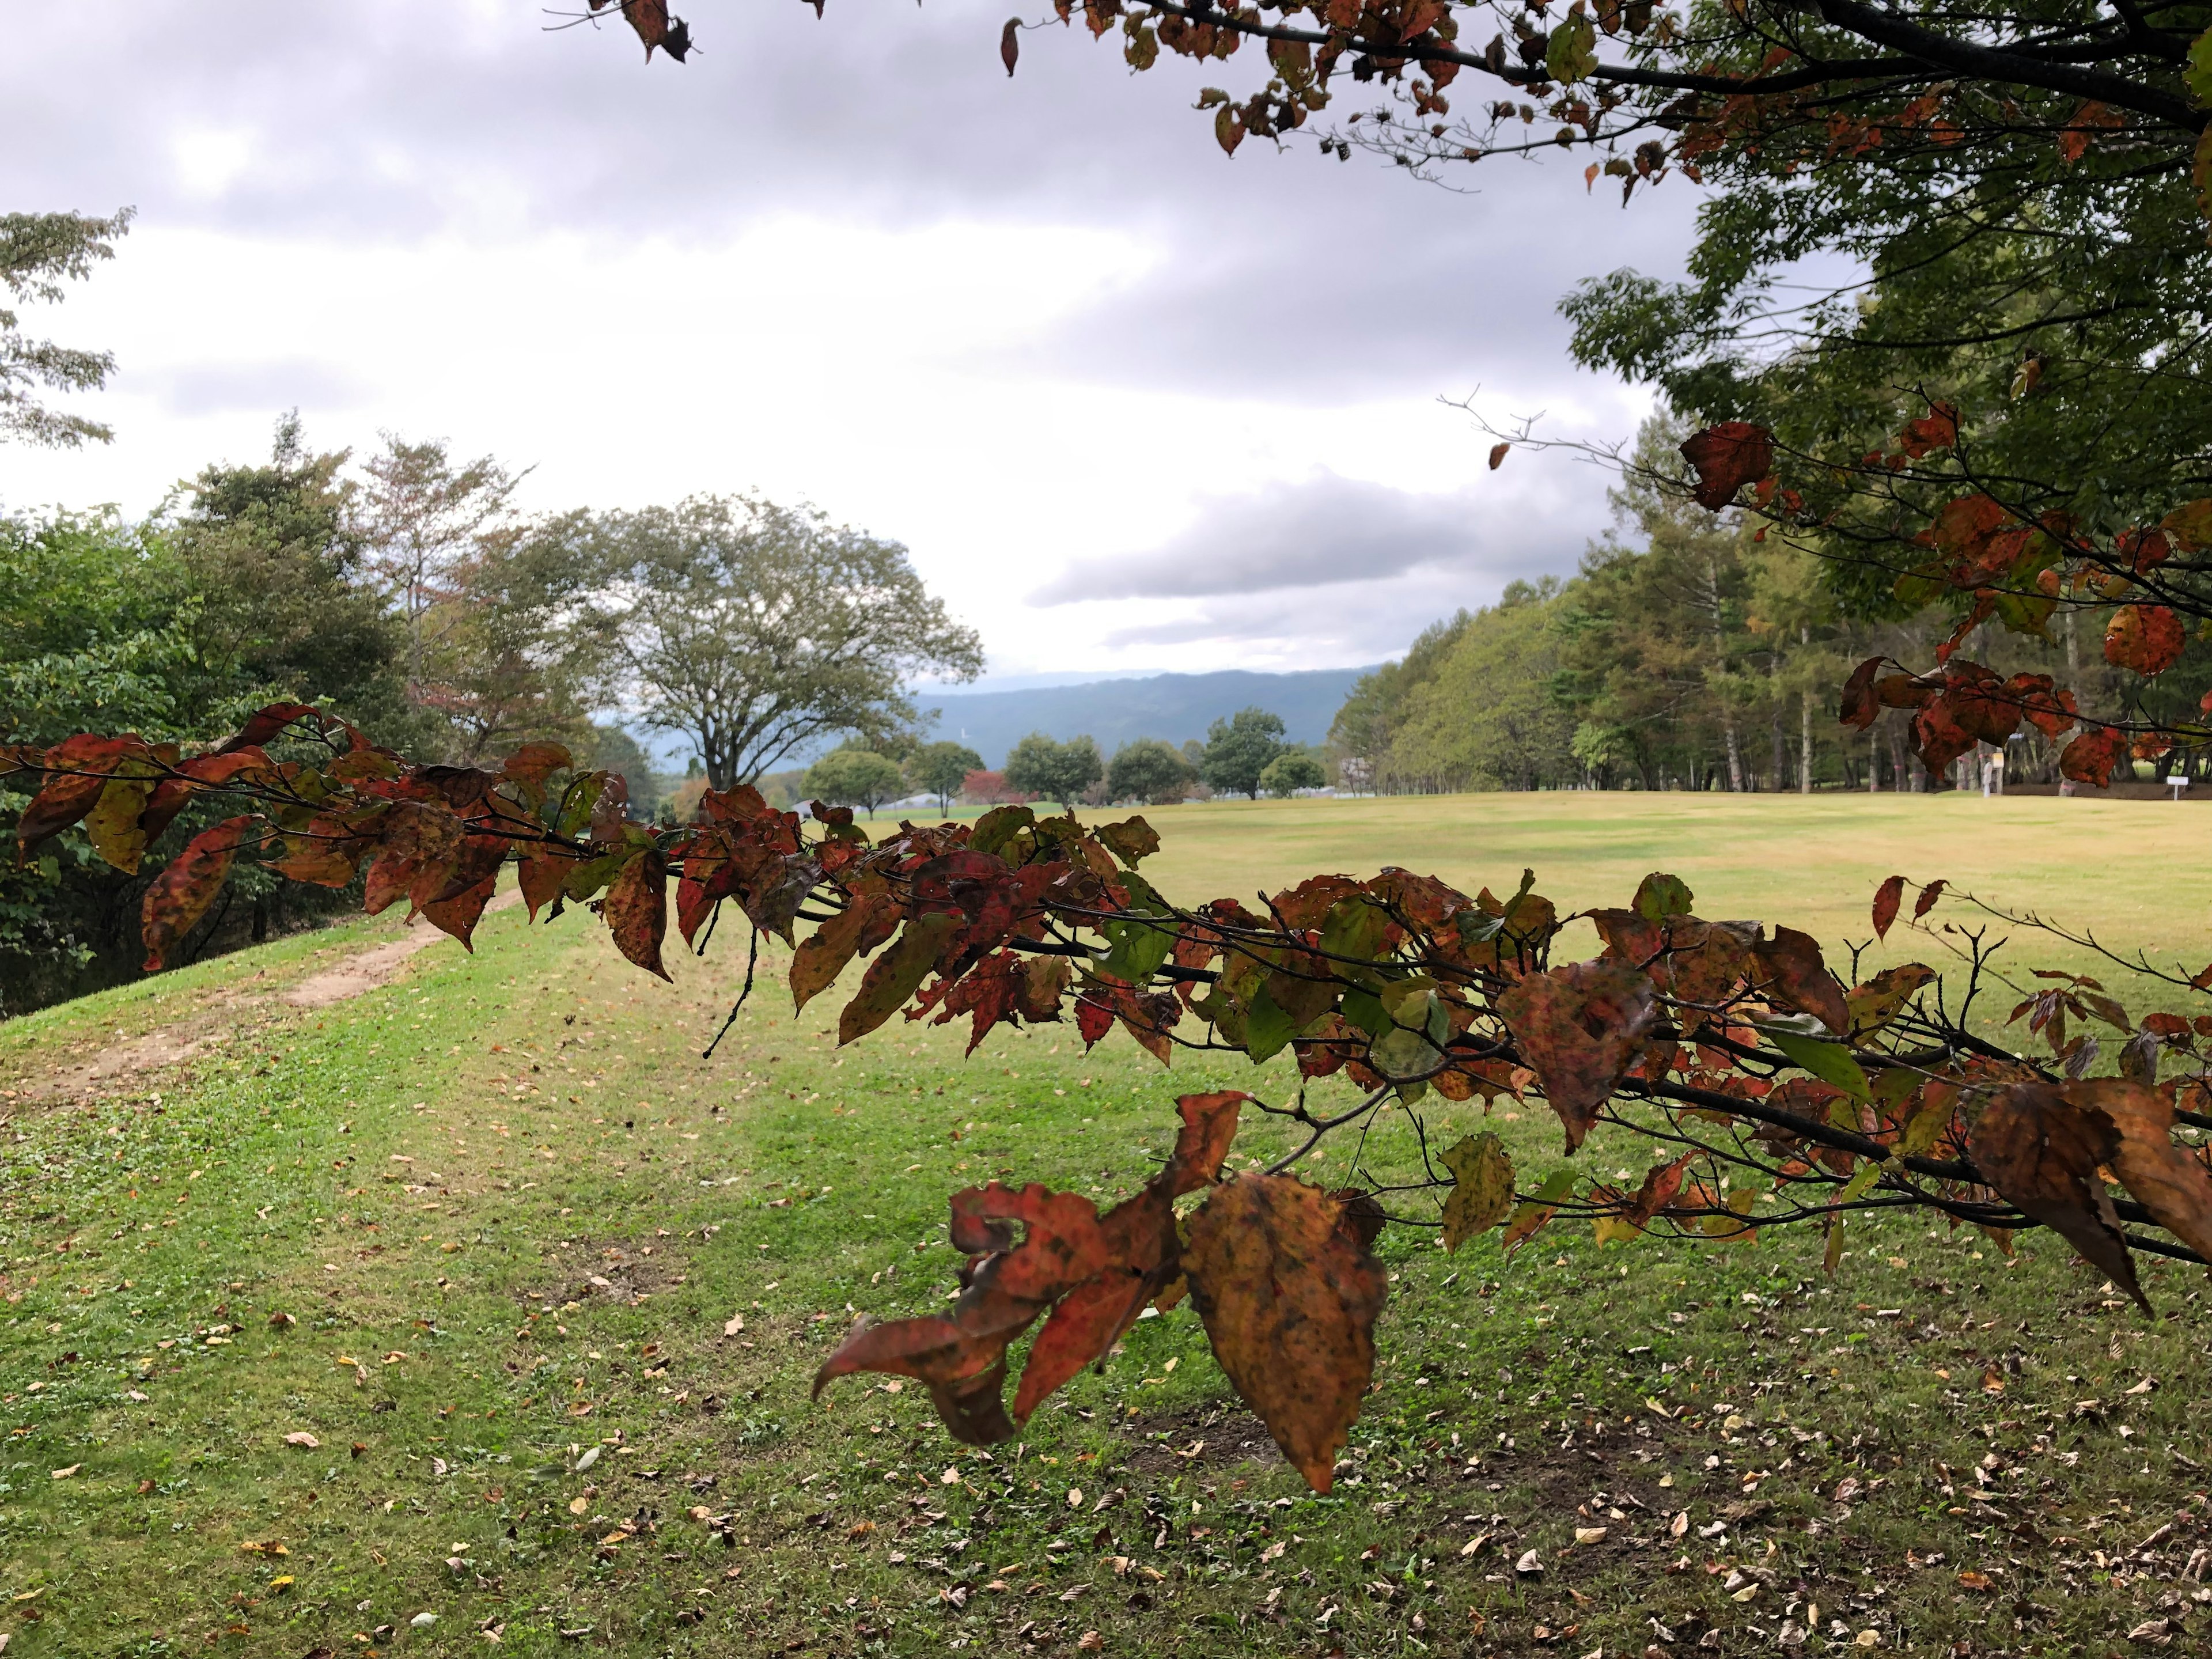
{"x":1049,"y":770}
{"x":1239,"y":748}
{"x":752,"y":628}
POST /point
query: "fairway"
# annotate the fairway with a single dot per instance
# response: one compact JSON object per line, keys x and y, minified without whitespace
{"x":478,"y":1314}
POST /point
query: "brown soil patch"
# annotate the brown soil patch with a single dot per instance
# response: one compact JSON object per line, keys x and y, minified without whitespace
{"x":372,"y":967}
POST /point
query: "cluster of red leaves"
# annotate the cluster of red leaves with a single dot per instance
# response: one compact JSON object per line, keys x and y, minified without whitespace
{"x":1768,"y":1080}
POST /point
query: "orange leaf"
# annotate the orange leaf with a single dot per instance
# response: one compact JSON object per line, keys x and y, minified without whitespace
{"x":636,"y":910}
{"x":1727,"y":457}
{"x":1886,"y":900}
{"x":187,"y":885}
{"x":2165,"y":1178}
{"x":2042,"y":1154}
{"x":2147,"y":638}
{"x":1580,"y":1028}
{"x":1290,"y":1300}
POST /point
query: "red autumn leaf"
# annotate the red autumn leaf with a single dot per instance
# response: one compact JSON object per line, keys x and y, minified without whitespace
{"x":895,"y":974}
{"x":77,"y":770}
{"x":1290,"y":1298}
{"x":1093,"y":1019}
{"x":1886,"y":900}
{"x":534,"y":763}
{"x":269,"y":722}
{"x":1982,"y":536}
{"x":187,"y":885}
{"x":2042,"y":1154}
{"x":1580,"y":1027}
{"x":1795,"y":974}
{"x":542,"y":872}
{"x":2091,"y":757}
{"x":2147,"y":638}
{"x":1938,"y":737}
{"x":1498,"y":452}
{"x":1936,"y":429}
{"x":636,"y":910}
{"x":866,"y":921}
{"x":456,"y":915}
{"x":649,"y":18}
{"x":1209,"y":1125}
{"x":2166,"y":1179}
{"x":1010,"y":44}
{"x":418,"y":846}
{"x":1860,"y":706}
{"x":1929,"y":894}
{"x":1727,"y":457}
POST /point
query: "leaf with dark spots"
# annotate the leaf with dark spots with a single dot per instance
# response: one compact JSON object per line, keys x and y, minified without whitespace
{"x":1887,"y":898}
{"x":187,"y":885}
{"x":115,"y":825}
{"x":1794,"y":974}
{"x":865,"y":923}
{"x":965,"y":1375}
{"x":2147,"y":638}
{"x":1209,"y":1125}
{"x":1093,"y":1019}
{"x":77,"y":773}
{"x":1579,"y":1028}
{"x":2042,"y":1154}
{"x":1531,"y":1215}
{"x":1938,"y":737}
{"x":1130,"y":840}
{"x":1929,"y":894}
{"x":1882,"y":998}
{"x":1060,"y":1244}
{"x":418,"y":846}
{"x":2091,"y":757}
{"x":1082,"y":1326}
{"x":1727,"y":457}
{"x":1659,"y":896}
{"x":458,"y":914}
{"x":1290,"y":1299}
{"x":636,"y":910}
{"x":1482,"y":1188}
{"x":895,"y":974}
{"x":2166,"y":1179}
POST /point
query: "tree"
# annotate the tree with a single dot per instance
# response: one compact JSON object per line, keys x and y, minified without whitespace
{"x":40,"y":253}
{"x":753,"y":629}
{"x":942,"y":767}
{"x":1238,"y":748}
{"x":1041,"y":768}
{"x":1291,"y":771}
{"x":424,"y":522}
{"x":854,"y":777}
{"x":1768,"y":1091}
{"x":1148,"y":770}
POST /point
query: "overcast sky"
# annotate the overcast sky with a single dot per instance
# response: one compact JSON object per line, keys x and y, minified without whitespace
{"x":1133,"y":404}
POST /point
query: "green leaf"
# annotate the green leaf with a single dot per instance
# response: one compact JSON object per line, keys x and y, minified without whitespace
{"x":999,"y":826}
{"x":1482,"y":1188}
{"x":2198,"y":74}
{"x":1402,"y":1054}
{"x":1135,"y":949}
{"x":1661,"y":895}
{"x":1365,"y":1011}
{"x":894,"y":975}
{"x":1529,"y":1217}
{"x":1861,"y":1182}
{"x":1267,"y":1028}
{"x":1572,"y":53}
{"x":1354,"y":927}
{"x":1828,"y":1060}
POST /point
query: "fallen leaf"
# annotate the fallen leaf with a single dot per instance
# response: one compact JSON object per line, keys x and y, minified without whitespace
{"x":301,"y":1437}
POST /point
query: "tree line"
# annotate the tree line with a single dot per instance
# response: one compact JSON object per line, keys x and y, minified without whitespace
{"x":1246,"y":753}
{"x":1691,"y":651}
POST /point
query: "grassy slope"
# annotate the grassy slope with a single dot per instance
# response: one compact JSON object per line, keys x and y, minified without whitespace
{"x":508,"y":1194}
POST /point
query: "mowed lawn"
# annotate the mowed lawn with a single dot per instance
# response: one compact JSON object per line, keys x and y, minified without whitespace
{"x":478,"y":1314}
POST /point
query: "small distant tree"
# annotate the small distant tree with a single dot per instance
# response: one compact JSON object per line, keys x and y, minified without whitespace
{"x":942,"y":769}
{"x":988,"y":788}
{"x":428,"y":526}
{"x":1147,"y":769}
{"x":854,"y":777}
{"x":1238,"y":749}
{"x":1291,"y":771}
{"x":1054,"y":771}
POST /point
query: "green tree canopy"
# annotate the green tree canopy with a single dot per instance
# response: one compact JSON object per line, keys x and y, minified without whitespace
{"x":40,"y":253}
{"x":1291,"y":771}
{"x":854,"y":777}
{"x":941,"y":768}
{"x":753,"y":628}
{"x":1149,"y":769}
{"x":1054,"y":771}
{"x":1238,"y":749}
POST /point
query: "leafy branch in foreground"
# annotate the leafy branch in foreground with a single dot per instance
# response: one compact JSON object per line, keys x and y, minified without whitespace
{"x":1770,"y":1089}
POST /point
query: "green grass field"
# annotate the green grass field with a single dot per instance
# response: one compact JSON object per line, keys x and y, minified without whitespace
{"x":478,"y":1313}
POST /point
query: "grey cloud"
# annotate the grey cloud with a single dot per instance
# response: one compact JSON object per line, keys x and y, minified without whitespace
{"x":1282,"y":276}
{"x":1320,"y":532}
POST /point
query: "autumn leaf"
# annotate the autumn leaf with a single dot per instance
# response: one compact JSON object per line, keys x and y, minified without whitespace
{"x":1861,"y":705}
{"x":2164,"y":1179}
{"x":1929,"y":894}
{"x":1482,"y":1188}
{"x":1886,"y":900}
{"x":76,"y":775}
{"x":2042,"y":1154}
{"x":1580,"y":1027}
{"x":187,"y":885}
{"x":866,"y":921}
{"x":636,"y":910}
{"x":1571,"y":53}
{"x":2091,"y":757}
{"x":1010,"y":43}
{"x":1727,"y":457}
{"x":418,"y":846}
{"x":1796,"y":975}
{"x":2147,"y":638}
{"x":1289,"y":1299}
{"x":1497,"y":453}
{"x":896,"y":975}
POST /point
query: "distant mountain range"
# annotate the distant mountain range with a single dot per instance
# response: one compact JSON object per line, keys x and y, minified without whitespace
{"x":1175,"y":707}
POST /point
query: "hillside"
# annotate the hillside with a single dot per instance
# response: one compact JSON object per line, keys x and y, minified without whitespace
{"x":1175,"y":707}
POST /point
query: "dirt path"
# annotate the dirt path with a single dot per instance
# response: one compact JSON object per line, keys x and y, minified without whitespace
{"x":369,"y":969}
{"x":131,"y":1061}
